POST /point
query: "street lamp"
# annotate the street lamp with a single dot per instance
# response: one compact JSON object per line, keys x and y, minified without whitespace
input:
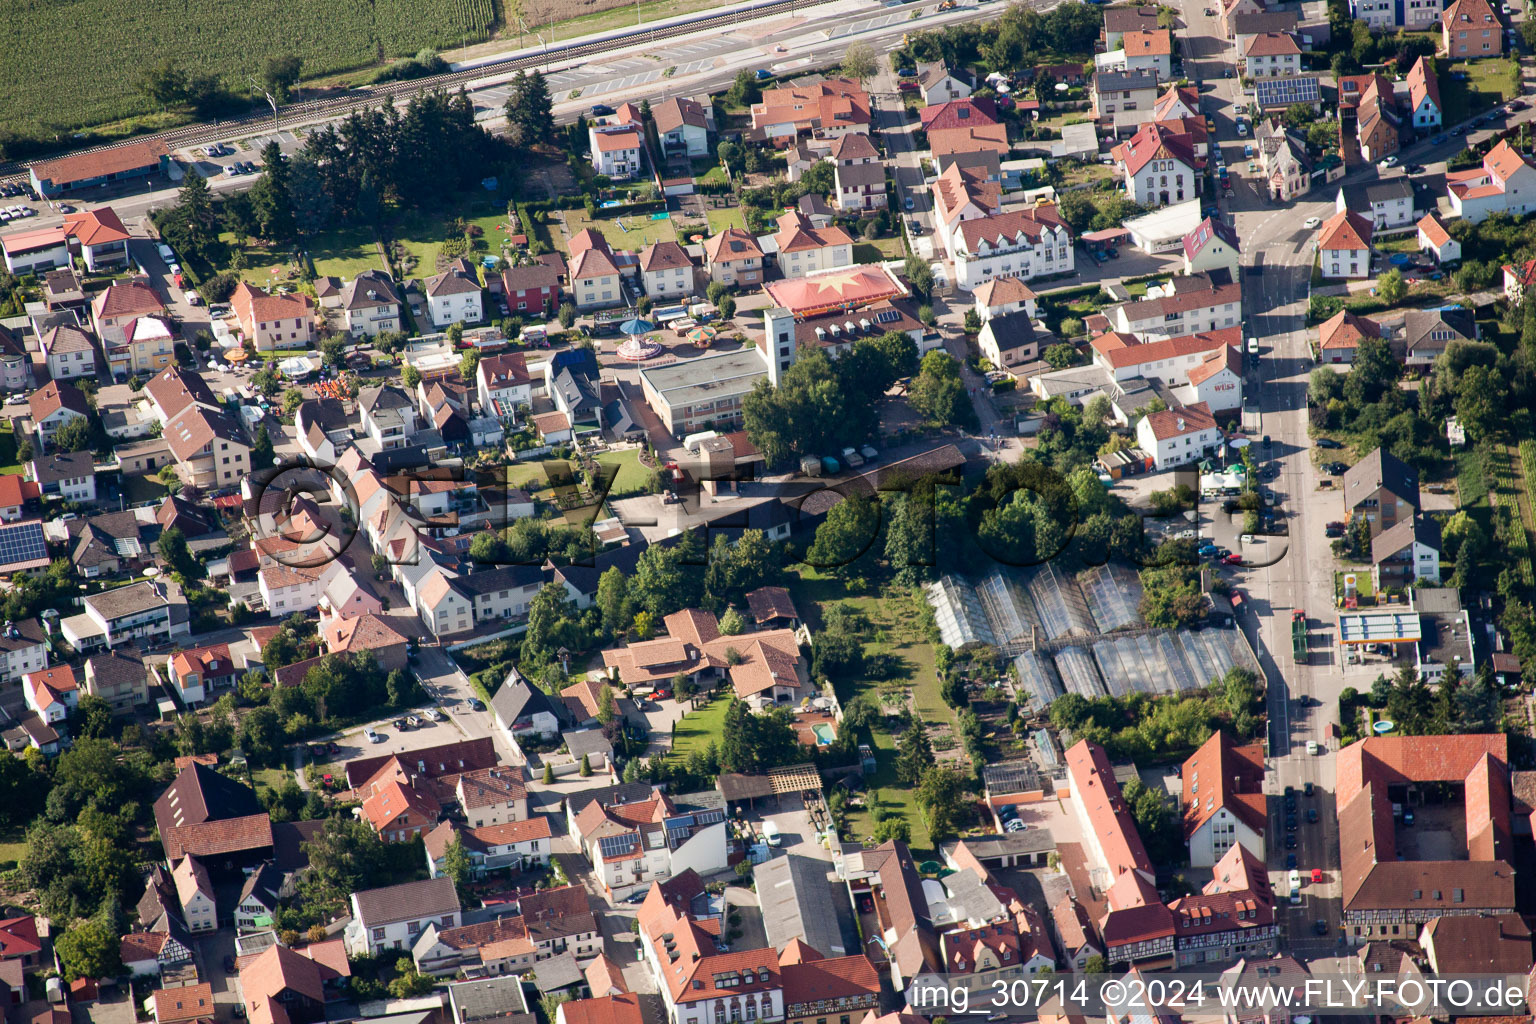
{"x":277,"y":124}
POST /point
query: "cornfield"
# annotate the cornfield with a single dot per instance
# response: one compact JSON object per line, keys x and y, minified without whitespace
{"x":70,"y":64}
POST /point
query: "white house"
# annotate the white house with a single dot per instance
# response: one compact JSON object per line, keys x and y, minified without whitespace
{"x":666,"y":271}
{"x":395,"y":916}
{"x":1020,"y":243}
{"x":53,"y":405}
{"x":632,"y":845}
{"x":804,"y":249}
{"x":387,"y":415}
{"x":938,"y":84}
{"x":1150,"y":50}
{"x":454,"y":296}
{"x":286,"y":590}
{"x":858,"y":175}
{"x":682,"y":126}
{"x":1223,"y":799}
{"x":370,"y":304}
{"x":194,"y":889}
{"x":1212,"y":246}
{"x":1423,"y":96}
{"x":23,"y":649}
{"x":521,"y":710}
{"x":1506,"y":183}
{"x":1386,"y":202}
{"x":1344,"y":245}
{"x":69,"y":352}
{"x":52,"y":692}
{"x":503,"y":384}
{"x":961,"y":194}
{"x":514,"y":845}
{"x":1407,"y":553}
{"x":1189,"y":304}
{"x":1176,"y":436}
{"x":1159,"y":166}
{"x":615,"y":150}
{"x":1003,"y":295}
{"x":1271,"y":55}
{"x":593,"y":272}
{"x":258,"y":898}
{"x":1435,"y":239}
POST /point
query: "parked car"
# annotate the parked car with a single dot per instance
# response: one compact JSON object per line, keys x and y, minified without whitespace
{"x":1112,"y":253}
{"x":1290,"y":844}
{"x":1327,"y":442}
{"x":412,"y":721}
{"x":1308,"y":790}
{"x":763,"y":73}
{"x":476,"y":704}
{"x":1311,"y":815}
{"x":1320,"y":926}
{"x":1335,"y":468}
{"x":1390,"y":161}
{"x":1290,"y":861}
{"x":601,"y":110}
{"x":372,"y":736}
{"x":868,"y":451}
{"x":1232,"y":560}
{"x":1414,"y":168}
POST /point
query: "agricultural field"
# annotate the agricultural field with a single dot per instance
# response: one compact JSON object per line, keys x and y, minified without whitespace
{"x":233,"y":40}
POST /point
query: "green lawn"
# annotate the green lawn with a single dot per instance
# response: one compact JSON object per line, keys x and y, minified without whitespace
{"x":632,"y":476}
{"x":878,"y":250}
{"x":1487,"y":84}
{"x":713,"y":173}
{"x":530,"y":476}
{"x":340,"y":252}
{"x":269,"y":778}
{"x":8,"y":462}
{"x":719,"y":220}
{"x":632,"y":231}
{"x":12,"y":848}
{"x":422,"y":232}
{"x":699,"y":728}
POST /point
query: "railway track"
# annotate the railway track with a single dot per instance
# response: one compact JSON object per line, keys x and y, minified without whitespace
{"x":317,"y":110}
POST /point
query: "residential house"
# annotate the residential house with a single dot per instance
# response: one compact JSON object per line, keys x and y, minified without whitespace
{"x":32,"y":252}
{"x":1026,"y":243}
{"x":370,"y":304}
{"x":454,"y":296}
{"x":323,"y":429}
{"x":682,"y":127}
{"x":1246,"y":26}
{"x":1387,"y":15}
{"x":1271,"y":55}
{"x":395,"y":916}
{"x":201,"y":672}
{"x":1470,"y":29}
{"x":444,"y":608}
{"x":593,"y":272}
{"x":1121,"y":99}
{"x":288,"y":589}
{"x":491,"y":796}
{"x":365,"y":631}
{"x":1389,"y":888}
{"x":522,"y":710}
{"x":1119,"y":20}
{"x":121,"y":303}
{"x":140,"y":615}
{"x":803,"y":249}
{"x":1427,"y":332}
{"x":936,"y":83}
{"x":1496,"y":943}
{"x":1382,"y":489}
{"x":15,"y":363}
{"x":966,"y":132}
{"x":1011,"y":340}
{"x":1344,"y":245}
{"x":666,"y":271}
{"x":1159,"y":166}
{"x":274,"y":321}
{"x":1178,"y":435}
{"x":398,"y":805}
{"x":62,"y":291}
{"x":1505,"y":183}
{"x":533,"y":287}
{"x":100,"y":238}
{"x":51,"y":692}
{"x":23,"y":649}
{"x":488,"y":949}
{"x":1212,"y":245}
{"x":209,"y":447}
{"x":1076,"y":935}
{"x":858,"y":175}
{"x":288,"y":986}
{"x":68,"y":351}
{"x":1435,"y":239}
{"x":770,"y":669}
{"x":631,"y":845}
{"x":118,"y":677}
{"x":387,"y":415}
{"x":14,"y":494}
{"x":1386,"y":202}
{"x":70,"y":476}
{"x":1407,"y":553}
{"x":183,"y":1004}
{"x":734,"y":258}
{"x":19,"y":942}
{"x":615,"y":150}
{"x":1223,"y":803}
{"x":1003,"y":295}
{"x":511,"y":846}
{"x":1148,"y":50}
{"x":961,"y":194}
{"x":1375,"y":124}
{"x":53,"y":405}
{"x":1233,"y":915}
{"x":1191,"y":304}
{"x":194,"y":889}
{"x":503,"y":384}
{"x":1423,"y":97}
{"x":818,"y":987}
{"x":824,"y":110}
{"x":259,"y":898}
{"x":328,"y":292}
{"x":1340,"y":335}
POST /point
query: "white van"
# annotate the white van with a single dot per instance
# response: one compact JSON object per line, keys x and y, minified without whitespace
{"x":1253,"y":346}
{"x":1295,"y":881}
{"x":1313,"y":747}
{"x":771,"y":833}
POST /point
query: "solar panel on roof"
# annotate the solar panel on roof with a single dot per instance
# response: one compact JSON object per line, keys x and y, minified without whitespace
{"x":887,"y":316}
{"x":1275,"y":92}
{"x":22,"y":542}
{"x":614,"y":846}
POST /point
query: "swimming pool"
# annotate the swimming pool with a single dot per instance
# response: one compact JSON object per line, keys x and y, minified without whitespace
{"x":824,"y":734}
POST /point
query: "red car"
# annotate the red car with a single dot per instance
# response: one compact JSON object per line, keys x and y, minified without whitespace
{"x":1232,"y":559}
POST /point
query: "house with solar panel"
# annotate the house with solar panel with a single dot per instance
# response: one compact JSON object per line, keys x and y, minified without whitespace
{"x":650,"y":838}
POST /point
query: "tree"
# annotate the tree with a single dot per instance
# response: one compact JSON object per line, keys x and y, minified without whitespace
{"x":607,"y":706}
{"x":164,"y":84}
{"x":549,"y":774}
{"x":410,"y":376}
{"x":266,"y":381}
{"x":468,"y":363}
{"x":93,"y":718}
{"x":613,"y":600}
{"x":280,"y":74}
{"x":1095,"y":964}
{"x":937,"y":392}
{"x":262,"y":454}
{"x":914,"y":754}
{"x":919,"y":276}
{"x":941,"y":795}
{"x":261,"y":735}
{"x":586,"y":766}
{"x":859,"y":62}
{"x":90,"y":949}
{"x":731,"y":623}
{"x":346,"y":855}
{"x":270,"y":200}
{"x":169,"y":478}
{"x":174,"y":550}
{"x":566,"y":315}
{"x":529,"y":110}
{"x":456,"y":863}
{"x":1060,"y":356}
{"x":1390,"y":287}
{"x":409,"y":982}
{"x":196,"y":218}
{"x":744,"y":91}
{"x":848,"y":531}
{"x":726,"y":307}
{"x":76,"y":435}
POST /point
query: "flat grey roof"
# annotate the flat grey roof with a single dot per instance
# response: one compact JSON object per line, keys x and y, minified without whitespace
{"x":798,"y":902}
{"x":1379,"y":627}
{"x":693,"y":380}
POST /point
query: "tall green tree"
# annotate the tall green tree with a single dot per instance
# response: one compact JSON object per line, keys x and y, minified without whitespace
{"x":849,"y":531}
{"x":914,"y":754}
{"x":271,"y":203}
{"x":280,"y":74}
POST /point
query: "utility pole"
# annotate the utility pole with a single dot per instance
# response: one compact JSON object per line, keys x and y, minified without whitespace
{"x":277,"y":124}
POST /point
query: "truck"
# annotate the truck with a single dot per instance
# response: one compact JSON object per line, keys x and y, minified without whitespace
{"x":1299,"y":636}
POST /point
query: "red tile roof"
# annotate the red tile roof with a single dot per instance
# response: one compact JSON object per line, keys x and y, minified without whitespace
{"x":96,"y":227}
{"x":1220,"y":775}
{"x":1155,"y":142}
{"x":113,"y":160}
{"x":1184,"y":419}
{"x":1345,"y":330}
{"x":1345,"y":230}
{"x":1094,"y":785}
